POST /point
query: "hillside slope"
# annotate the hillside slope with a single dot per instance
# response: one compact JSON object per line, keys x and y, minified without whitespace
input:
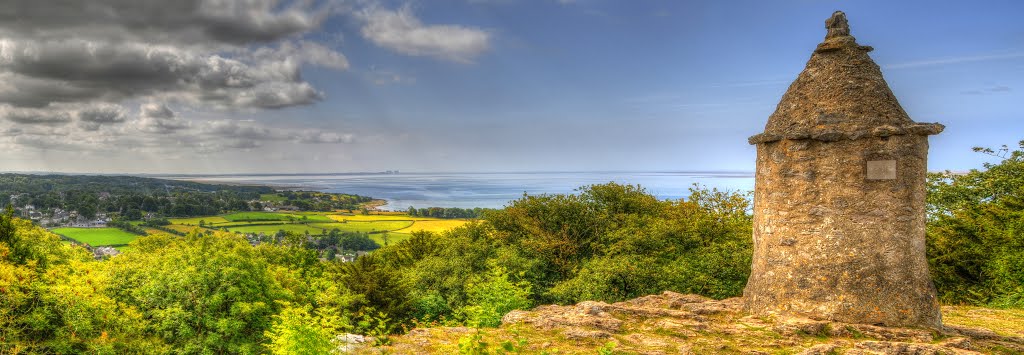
{"x":672,"y":323}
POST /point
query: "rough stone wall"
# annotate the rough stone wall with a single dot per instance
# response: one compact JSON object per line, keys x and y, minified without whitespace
{"x":831,"y":244}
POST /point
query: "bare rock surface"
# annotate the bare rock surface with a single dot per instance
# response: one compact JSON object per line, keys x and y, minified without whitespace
{"x":673,"y":323}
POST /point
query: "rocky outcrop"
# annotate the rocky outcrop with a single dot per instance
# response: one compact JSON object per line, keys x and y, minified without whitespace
{"x":673,"y":323}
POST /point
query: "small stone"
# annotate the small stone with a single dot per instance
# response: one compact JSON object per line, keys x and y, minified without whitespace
{"x":821,"y":349}
{"x":959,"y":343}
{"x":576,"y":333}
{"x":837,"y":25}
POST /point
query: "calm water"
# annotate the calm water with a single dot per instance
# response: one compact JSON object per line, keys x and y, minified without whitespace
{"x":491,"y":190}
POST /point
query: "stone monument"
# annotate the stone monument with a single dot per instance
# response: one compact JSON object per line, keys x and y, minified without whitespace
{"x":839,"y":197}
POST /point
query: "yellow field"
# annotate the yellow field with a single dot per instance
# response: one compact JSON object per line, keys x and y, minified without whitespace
{"x":433,"y":225}
{"x":400,"y":223}
{"x":421,"y":223}
{"x":180,"y":228}
{"x":378,"y":217}
{"x":154,"y":231}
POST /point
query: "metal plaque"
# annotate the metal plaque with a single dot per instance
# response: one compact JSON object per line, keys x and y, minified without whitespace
{"x":881,"y":169}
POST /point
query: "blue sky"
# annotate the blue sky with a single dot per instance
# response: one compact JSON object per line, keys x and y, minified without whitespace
{"x":545,"y":85}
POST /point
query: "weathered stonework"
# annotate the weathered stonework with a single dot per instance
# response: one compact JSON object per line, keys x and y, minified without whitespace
{"x":839,"y":218}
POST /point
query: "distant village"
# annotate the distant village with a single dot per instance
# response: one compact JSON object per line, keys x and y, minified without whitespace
{"x":58,"y":217}
{"x":61,"y":218}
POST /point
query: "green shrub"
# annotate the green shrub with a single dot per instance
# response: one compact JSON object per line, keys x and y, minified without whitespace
{"x":298,"y":330}
{"x":493,"y":295}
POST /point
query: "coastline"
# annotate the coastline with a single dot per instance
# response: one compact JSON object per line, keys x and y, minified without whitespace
{"x":277,"y":187}
{"x":375,"y":204}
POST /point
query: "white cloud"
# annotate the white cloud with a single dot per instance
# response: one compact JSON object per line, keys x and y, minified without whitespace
{"x":317,"y":137}
{"x":401,"y":31}
{"x":303,"y":52}
{"x":317,"y":54}
{"x":953,"y":60}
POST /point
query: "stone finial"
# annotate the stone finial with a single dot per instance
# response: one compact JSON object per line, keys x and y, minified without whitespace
{"x":837,"y":25}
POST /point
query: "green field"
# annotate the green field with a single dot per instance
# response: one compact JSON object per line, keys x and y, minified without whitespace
{"x":194,"y":221}
{"x":97,"y":236}
{"x":311,"y":216}
{"x":318,"y":228}
{"x":244,"y":223}
{"x":272,"y":197}
{"x":273,"y":228}
{"x":271,"y":216}
{"x":256,"y":216}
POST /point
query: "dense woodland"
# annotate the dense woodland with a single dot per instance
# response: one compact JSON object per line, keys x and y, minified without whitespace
{"x":133,"y":197}
{"x":214,"y":293}
{"x":314,"y":200}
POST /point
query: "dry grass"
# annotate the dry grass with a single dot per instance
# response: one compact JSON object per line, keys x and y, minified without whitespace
{"x":1006,"y":322}
{"x":709,"y":329}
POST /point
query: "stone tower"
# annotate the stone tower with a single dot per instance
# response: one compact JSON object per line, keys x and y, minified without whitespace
{"x":839,"y":197}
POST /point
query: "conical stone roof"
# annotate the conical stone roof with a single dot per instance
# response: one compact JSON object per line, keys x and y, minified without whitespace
{"x":840,"y":95}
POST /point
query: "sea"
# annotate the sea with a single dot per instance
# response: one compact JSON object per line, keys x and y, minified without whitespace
{"x":486,"y":190}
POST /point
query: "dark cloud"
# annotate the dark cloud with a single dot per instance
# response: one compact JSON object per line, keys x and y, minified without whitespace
{"x":83,"y":70}
{"x":93,"y":118}
{"x":180,"y":21}
{"x":158,"y":119}
{"x":38,"y":116}
{"x":221,"y":53}
{"x":21,"y":91}
{"x":102,"y":114}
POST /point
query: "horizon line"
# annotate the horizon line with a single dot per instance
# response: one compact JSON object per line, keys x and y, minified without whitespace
{"x":394,"y":172}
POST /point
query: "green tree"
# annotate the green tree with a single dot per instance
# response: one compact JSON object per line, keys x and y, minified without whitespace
{"x":379,"y":286}
{"x":9,"y":236}
{"x":54,"y":301}
{"x":133,"y":214}
{"x":205,"y":292}
{"x":976,"y":232}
